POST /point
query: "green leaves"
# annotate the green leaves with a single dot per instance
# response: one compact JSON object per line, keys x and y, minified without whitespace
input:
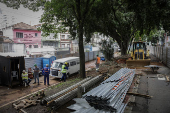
{"x":107,"y":49}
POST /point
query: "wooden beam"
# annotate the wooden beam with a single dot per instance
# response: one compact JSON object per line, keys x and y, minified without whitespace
{"x":137,"y":94}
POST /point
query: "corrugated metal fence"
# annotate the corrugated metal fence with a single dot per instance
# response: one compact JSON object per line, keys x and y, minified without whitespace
{"x":29,"y":62}
{"x":163,"y":53}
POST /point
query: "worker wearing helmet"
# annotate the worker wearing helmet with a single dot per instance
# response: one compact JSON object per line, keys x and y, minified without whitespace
{"x":36,"y":73}
{"x":25,"y":77}
{"x":64,"y":70}
{"x":97,"y":62}
{"x":46,"y":75}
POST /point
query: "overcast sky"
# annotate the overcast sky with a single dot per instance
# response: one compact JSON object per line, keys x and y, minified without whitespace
{"x":13,"y":16}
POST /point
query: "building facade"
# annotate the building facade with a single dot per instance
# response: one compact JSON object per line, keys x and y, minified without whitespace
{"x":26,"y":34}
{"x":50,"y":41}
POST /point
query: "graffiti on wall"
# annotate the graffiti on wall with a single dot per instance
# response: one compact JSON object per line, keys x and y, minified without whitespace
{"x":28,"y":36}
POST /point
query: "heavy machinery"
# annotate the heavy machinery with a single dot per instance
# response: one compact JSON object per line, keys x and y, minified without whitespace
{"x":139,"y":55}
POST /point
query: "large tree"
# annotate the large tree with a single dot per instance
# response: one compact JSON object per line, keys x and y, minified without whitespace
{"x":151,"y":14}
{"x":62,"y":15}
{"x":115,"y":20}
{"x":121,"y":19}
{"x":72,"y":15}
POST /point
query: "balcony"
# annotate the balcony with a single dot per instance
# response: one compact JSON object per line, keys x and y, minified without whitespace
{"x":50,"y":39}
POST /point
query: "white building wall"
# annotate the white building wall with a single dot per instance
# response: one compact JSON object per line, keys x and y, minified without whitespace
{"x":8,"y":32}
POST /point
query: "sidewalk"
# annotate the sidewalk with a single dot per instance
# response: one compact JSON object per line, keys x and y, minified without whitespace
{"x":157,"y":87}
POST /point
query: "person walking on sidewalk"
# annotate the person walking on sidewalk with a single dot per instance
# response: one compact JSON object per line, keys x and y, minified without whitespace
{"x":25,"y":77}
{"x":36,"y":74}
{"x":46,"y":75}
{"x":97,"y":62}
{"x":64,"y":70}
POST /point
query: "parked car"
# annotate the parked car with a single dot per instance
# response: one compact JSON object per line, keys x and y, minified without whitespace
{"x":73,"y":66}
{"x":102,"y":58}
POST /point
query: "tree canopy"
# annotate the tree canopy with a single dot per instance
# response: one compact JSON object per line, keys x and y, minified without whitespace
{"x":119,"y":19}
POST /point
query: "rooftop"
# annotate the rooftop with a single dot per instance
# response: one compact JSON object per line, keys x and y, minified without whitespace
{"x":12,"y":54}
{"x":24,"y":26}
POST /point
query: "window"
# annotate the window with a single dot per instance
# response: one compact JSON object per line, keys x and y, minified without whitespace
{"x":30,"y":46}
{"x":35,"y":46}
{"x":57,"y":65}
{"x":19,"y":35}
{"x":36,"y":34}
{"x":68,"y":45}
{"x":73,"y":63}
{"x":68,"y":36}
{"x":63,"y":36}
{"x":63,"y":45}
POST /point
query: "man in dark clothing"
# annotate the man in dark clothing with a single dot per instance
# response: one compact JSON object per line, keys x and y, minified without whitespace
{"x":46,"y":75}
{"x":36,"y":73}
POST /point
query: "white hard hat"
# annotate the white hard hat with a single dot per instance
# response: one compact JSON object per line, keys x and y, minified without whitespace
{"x":23,"y":71}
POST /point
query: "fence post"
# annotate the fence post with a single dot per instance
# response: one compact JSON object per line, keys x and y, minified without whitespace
{"x":88,"y":56}
{"x":162,"y":55}
{"x":166,"y":55}
{"x":157,"y":51}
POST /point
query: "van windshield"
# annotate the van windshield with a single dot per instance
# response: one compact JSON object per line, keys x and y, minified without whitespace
{"x":57,"y":65}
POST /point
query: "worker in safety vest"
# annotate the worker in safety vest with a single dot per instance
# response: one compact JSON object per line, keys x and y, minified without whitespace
{"x":25,"y":77}
{"x":97,"y":62}
{"x":64,"y":70}
{"x":46,"y":75}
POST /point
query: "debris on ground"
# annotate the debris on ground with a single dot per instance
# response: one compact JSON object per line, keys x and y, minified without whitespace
{"x":32,"y":100}
{"x":167,"y":79}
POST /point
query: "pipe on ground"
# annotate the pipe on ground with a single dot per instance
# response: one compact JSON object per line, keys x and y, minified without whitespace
{"x":69,"y":96}
{"x":49,"y":99}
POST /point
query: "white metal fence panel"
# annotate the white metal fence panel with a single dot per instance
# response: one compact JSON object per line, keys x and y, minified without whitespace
{"x":168,"y":57}
{"x":164,"y":55}
{"x":94,"y":54}
{"x":152,"y":49}
{"x":86,"y":56}
{"x":161,"y":53}
{"x":155,"y":51}
{"x":90,"y":56}
{"x":29,"y":63}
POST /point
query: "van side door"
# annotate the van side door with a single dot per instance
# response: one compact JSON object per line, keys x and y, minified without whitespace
{"x":72,"y":67}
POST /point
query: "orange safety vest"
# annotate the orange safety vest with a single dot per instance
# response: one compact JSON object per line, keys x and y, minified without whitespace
{"x":98,"y":60}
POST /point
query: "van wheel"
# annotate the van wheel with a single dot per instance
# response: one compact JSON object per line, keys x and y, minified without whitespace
{"x":68,"y":75}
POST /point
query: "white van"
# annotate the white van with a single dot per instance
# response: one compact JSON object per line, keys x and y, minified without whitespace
{"x":73,"y":66}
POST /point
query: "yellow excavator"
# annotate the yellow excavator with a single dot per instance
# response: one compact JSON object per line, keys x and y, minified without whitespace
{"x":139,"y":55}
